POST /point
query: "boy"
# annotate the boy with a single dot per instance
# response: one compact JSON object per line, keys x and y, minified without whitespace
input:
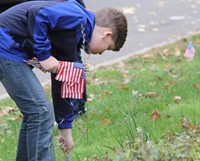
{"x":52,"y":32}
{"x":80,"y":109}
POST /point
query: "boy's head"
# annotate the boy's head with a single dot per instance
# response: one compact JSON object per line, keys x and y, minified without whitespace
{"x":110,"y":31}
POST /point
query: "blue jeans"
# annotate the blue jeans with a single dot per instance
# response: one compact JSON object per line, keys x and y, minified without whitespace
{"x":36,"y":133}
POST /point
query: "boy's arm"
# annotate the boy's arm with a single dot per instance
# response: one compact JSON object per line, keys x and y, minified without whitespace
{"x":41,"y":19}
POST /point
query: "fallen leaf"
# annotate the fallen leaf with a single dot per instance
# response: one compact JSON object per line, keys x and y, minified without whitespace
{"x":168,"y":66}
{"x":122,"y":86}
{"x":155,"y":115}
{"x":178,"y":60}
{"x":117,"y":150}
{"x":185,"y":123}
{"x":154,"y":68}
{"x":154,"y":29}
{"x":6,"y":111}
{"x":165,"y":51}
{"x":152,"y":13}
{"x":197,"y":86}
{"x":129,"y":10}
{"x":197,"y":129}
{"x":150,"y":94}
{"x":106,"y":92}
{"x":106,"y":121}
{"x":124,"y":71}
{"x":91,"y":97}
{"x":169,"y":83}
{"x":126,"y":81}
{"x":193,"y":6}
{"x":168,"y":116}
{"x":177,"y":99}
{"x":152,"y":84}
{"x":197,"y":41}
{"x":107,"y":111}
{"x":141,"y":30}
{"x":177,"y":52}
{"x":147,"y":56}
{"x":135,"y":93}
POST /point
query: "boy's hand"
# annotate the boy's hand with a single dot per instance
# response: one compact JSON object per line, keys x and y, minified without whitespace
{"x":66,"y":140}
{"x":50,"y":65}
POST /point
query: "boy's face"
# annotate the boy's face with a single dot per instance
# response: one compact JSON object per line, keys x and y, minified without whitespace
{"x":101,"y":42}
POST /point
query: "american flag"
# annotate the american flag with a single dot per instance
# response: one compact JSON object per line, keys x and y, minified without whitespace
{"x":72,"y":76}
{"x":190,"y":51}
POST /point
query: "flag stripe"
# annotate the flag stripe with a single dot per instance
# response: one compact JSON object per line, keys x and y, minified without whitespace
{"x":72,"y":77}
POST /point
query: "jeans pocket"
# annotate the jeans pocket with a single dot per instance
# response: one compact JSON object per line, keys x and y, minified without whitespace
{"x":2,"y":74}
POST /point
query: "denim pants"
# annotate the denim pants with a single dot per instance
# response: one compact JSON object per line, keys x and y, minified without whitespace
{"x":36,"y":133}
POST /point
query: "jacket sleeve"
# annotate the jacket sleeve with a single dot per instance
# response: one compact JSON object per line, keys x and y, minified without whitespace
{"x":59,"y":16}
{"x":63,"y":107}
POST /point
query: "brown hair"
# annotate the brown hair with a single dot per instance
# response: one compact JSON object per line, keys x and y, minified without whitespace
{"x":116,"y":21}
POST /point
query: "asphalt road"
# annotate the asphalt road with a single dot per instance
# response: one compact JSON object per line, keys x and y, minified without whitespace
{"x":150,"y":22}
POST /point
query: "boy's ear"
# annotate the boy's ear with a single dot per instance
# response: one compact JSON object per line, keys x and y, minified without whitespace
{"x":107,"y":33}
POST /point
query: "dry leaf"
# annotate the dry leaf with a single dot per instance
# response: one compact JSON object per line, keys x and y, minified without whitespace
{"x":177,"y":52}
{"x":177,"y":99}
{"x":141,"y":29}
{"x":122,"y":86}
{"x":168,"y":116}
{"x":166,"y":50}
{"x":106,"y":92}
{"x":150,"y":94}
{"x":147,"y":56}
{"x":154,"y":29}
{"x":169,"y":83}
{"x":107,"y":110}
{"x":197,"y":41}
{"x":172,"y":75}
{"x":197,"y":86}
{"x":152,"y":13}
{"x":126,"y":81}
{"x":197,"y":129}
{"x":193,"y":6}
{"x":117,"y":150}
{"x":6,"y":111}
{"x":154,"y":68}
{"x":168,"y":66}
{"x":178,"y":60}
{"x":124,"y":71}
{"x":155,"y":115}
{"x":129,"y":10}
{"x":91,"y":97}
{"x":135,"y":93}
{"x":21,"y":116}
{"x":152,"y":84}
{"x":106,"y":121}
{"x":185,"y":123}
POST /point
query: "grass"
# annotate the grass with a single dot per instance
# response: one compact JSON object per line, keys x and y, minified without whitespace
{"x":138,"y":93}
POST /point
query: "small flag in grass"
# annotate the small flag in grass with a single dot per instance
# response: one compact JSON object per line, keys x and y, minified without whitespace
{"x":190,"y":51}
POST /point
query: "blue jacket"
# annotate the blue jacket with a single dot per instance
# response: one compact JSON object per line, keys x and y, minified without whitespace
{"x":46,"y":28}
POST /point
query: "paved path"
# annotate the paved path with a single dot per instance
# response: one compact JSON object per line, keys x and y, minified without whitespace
{"x":151,"y":22}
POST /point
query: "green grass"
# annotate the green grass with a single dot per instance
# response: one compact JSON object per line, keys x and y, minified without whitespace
{"x":115,"y":113}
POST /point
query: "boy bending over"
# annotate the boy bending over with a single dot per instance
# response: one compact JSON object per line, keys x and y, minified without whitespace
{"x":53,"y":32}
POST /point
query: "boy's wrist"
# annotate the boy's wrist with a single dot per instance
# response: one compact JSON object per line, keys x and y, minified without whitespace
{"x":66,"y":132}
